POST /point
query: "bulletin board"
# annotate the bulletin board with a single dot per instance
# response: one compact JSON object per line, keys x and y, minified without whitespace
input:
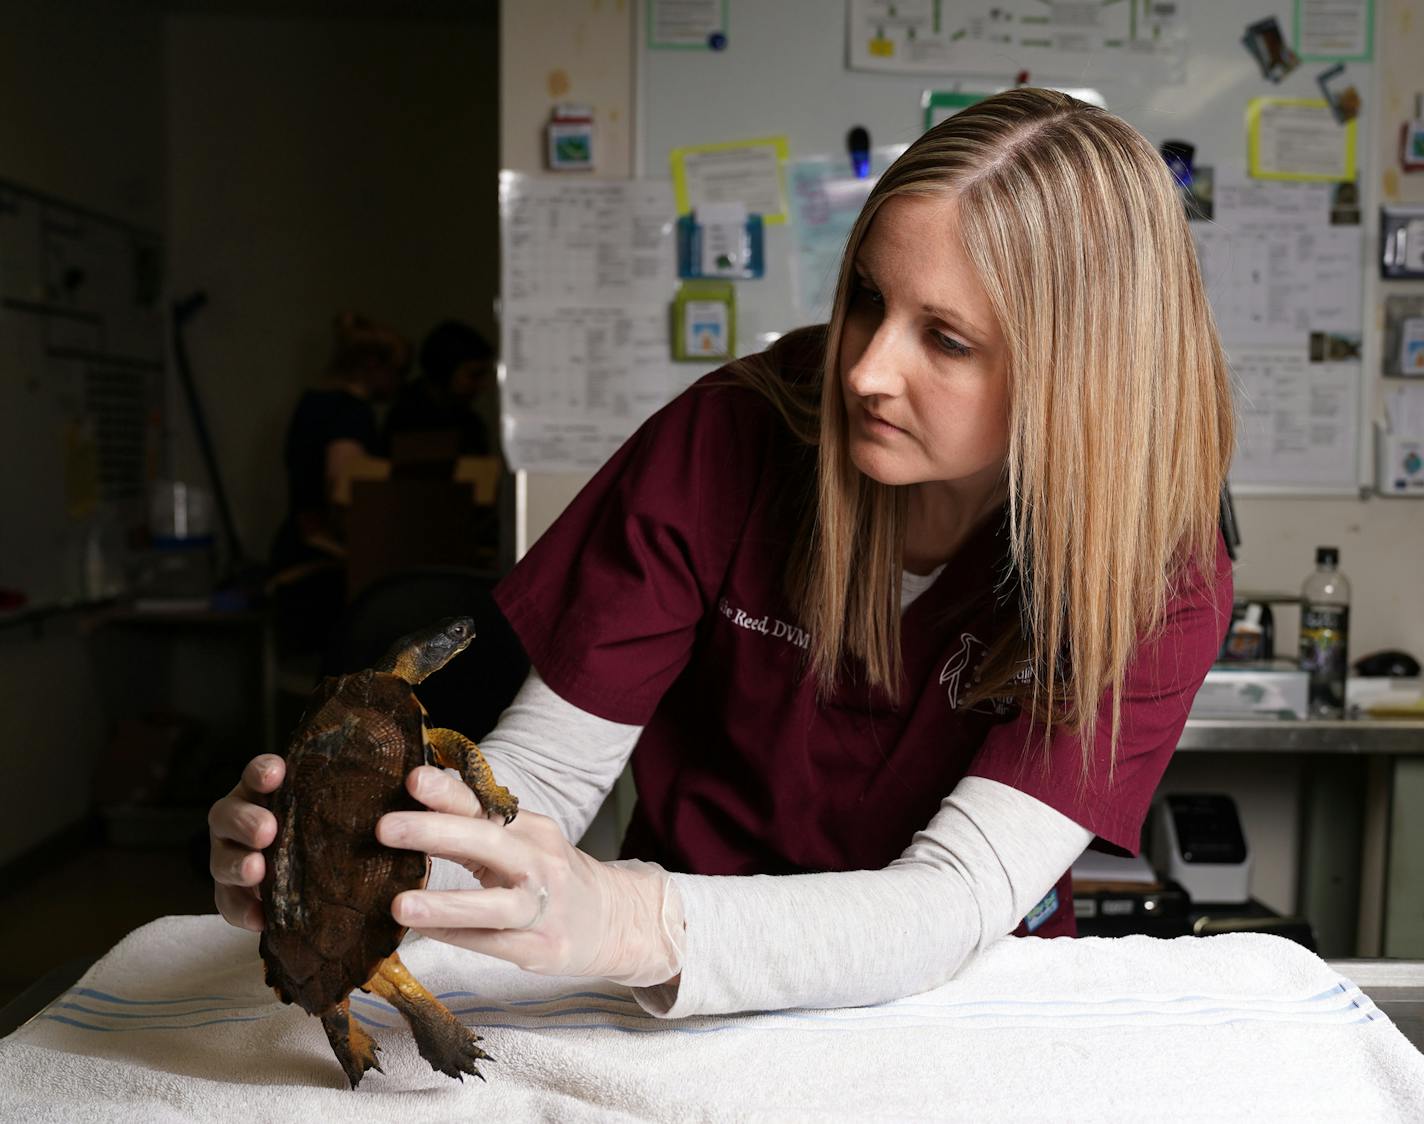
{"x":1285,"y":261}
{"x":81,"y":363}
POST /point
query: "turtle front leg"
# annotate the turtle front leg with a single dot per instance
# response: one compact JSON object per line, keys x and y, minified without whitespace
{"x":442,"y":1039}
{"x":353,"y":1047}
{"x":452,"y":750}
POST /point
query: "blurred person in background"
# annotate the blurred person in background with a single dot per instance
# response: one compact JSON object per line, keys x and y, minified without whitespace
{"x":457,"y":367}
{"x":333,"y":425}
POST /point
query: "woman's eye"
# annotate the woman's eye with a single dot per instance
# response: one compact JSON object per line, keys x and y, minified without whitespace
{"x":949,"y":344}
{"x":865,"y":292}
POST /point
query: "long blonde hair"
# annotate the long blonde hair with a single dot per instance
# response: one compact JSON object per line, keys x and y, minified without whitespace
{"x":1120,"y":415}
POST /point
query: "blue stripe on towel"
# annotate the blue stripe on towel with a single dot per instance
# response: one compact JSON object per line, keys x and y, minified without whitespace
{"x":659,"y":1026}
{"x":90,"y":993}
{"x":861,"y":1019}
{"x":149,"y":1014}
{"x":126,"y":1029}
{"x":609,"y":996}
{"x":640,"y":1015}
{"x":1341,"y":1004}
{"x":1176,"y":1000}
{"x":651,"y":1025}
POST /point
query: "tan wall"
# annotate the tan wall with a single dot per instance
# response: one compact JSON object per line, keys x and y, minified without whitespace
{"x":1400,"y":43}
{"x":63,"y":131}
{"x":299,"y":166}
{"x":554,"y":51}
{"x":1381,"y":540}
{"x":82,"y":88}
{"x":315,"y":165}
{"x":546,"y":42}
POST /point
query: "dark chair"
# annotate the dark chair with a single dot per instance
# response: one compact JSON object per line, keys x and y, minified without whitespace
{"x":427,"y":513}
{"x":471,"y":691}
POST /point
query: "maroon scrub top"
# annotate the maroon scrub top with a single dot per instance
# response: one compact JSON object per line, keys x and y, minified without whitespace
{"x":657,"y":599}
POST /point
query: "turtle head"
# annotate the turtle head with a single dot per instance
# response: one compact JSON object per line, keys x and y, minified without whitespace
{"x":425,"y":652}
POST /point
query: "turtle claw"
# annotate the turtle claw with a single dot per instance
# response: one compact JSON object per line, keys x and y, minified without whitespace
{"x":499,"y":802}
{"x":442,"y":1039}
{"x":452,"y":750}
{"x":449,"y":1047}
{"x":356,"y":1071}
{"x":354,"y":1048}
{"x":357,"y":1062}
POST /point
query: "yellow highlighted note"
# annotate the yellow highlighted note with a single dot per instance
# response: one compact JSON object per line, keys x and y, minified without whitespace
{"x":1298,"y":139}
{"x":750,"y":172}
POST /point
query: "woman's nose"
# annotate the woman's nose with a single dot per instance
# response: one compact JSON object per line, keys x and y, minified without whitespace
{"x":878,"y":369}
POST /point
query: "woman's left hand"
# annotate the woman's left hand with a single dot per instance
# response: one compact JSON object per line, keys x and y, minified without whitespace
{"x":543,"y":904}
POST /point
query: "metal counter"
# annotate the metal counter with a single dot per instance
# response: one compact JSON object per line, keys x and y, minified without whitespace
{"x":1388,"y":737}
{"x":1396,"y":987}
{"x":1387,"y":749}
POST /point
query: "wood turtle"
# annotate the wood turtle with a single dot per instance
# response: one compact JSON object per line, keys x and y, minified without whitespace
{"x":329,"y":884}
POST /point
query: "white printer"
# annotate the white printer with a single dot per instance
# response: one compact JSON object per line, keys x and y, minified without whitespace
{"x":1198,"y":842}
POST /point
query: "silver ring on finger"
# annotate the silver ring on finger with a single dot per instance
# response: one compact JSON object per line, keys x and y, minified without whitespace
{"x":539,"y":910}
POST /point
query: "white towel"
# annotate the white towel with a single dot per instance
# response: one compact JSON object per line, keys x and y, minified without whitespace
{"x":176,"y":1024}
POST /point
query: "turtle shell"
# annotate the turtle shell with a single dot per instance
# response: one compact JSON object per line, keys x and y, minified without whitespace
{"x":329,"y":884}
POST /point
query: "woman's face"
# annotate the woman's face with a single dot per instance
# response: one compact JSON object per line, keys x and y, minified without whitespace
{"x":923,"y":365}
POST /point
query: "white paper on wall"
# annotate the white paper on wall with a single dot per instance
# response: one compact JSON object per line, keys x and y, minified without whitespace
{"x":1077,"y":39}
{"x":589,"y":269}
{"x":1298,"y":420}
{"x":1285,"y":280}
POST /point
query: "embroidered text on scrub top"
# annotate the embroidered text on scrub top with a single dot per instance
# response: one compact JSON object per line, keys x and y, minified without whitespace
{"x":766,"y":625}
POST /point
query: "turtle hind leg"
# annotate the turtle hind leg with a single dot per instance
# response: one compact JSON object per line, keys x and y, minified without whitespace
{"x":452,"y":750}
{"x":442,"y":1039}
{"x":353,"y":1047}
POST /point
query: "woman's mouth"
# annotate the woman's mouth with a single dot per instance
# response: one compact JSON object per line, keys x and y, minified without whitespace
{"x":876,"y":424}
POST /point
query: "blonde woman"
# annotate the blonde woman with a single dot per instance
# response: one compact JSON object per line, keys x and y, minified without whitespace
{"x":894,"y":619}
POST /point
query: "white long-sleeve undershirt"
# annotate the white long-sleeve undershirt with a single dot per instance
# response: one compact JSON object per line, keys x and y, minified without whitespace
{"x":767,"y":942}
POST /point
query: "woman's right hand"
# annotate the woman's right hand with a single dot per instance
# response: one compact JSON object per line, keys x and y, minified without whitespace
{"x":238,"y":829}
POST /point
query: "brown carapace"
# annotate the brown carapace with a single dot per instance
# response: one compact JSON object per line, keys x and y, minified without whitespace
{"x":329,"y":884}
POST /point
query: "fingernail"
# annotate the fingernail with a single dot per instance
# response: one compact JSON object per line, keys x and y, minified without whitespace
{"x":391,"y":829}
{"x":423,"y":782}
{"x":412,"y":909}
